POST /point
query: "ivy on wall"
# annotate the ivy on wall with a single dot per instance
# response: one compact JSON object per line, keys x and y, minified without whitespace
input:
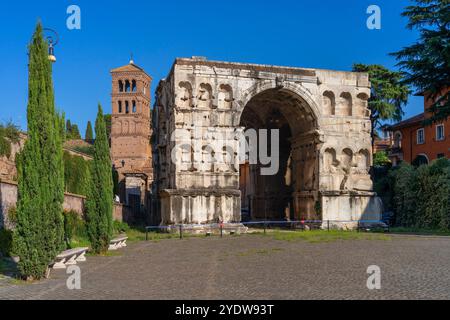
{"x":76,"y":174}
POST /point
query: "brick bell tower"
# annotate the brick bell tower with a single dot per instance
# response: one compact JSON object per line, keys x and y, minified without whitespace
{"x":130,"y":135}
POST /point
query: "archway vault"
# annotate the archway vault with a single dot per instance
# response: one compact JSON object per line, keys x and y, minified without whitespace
{"x":291,"y":192}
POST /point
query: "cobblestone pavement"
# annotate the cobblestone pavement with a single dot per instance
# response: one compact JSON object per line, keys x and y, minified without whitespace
{"x":256,"y":267}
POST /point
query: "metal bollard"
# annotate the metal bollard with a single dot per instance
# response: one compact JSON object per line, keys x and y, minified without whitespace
{"x":328,"y":225}
{"x":146,"y":234}
{"x":181,"y":231}
{"x":265,"y":227}
{"x":221,"y":230}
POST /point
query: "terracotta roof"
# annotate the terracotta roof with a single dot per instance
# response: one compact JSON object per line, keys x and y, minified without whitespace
{"x":131,"y":67}
{"x":381,"y":144}
{"x":417,"y":119}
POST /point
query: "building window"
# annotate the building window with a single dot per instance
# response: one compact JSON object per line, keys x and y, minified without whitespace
{"x":133,"y":86}
{"x":397,"y":139}
{"x":421,"y":159}
{"x":127,"y":108}
{"x":440,"y":132}
{"x":120,"y":86}
{"x":440,"y":155}
{"x":127,"y":86}
{"x":134,"y":106}
{"x":421,"y":136}
{"x":120,"y":106}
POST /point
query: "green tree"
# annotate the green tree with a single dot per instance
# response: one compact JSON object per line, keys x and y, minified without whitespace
{"x":68,"y":127}
{"x":9,"y":133}
{"x":75,"y":132}
{"x":381,"y":159}
{"x":108,"y":127}
{"x":426,"y":63}
{"x":99,"y":203}
{"x":405,"y":195}
{"x":388,"y":94}
{"x":72,"y":131}
{"x":39,"y":232}
{"x":89,"y":136}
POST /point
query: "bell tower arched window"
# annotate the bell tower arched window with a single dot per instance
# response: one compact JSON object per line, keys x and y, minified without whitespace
{"x":120,"y":86}
{"x":120,"y":106}
{"x":134,"y":106}
{"x":127,"y":86}
{"x":133,"y":86}
{"x":127,"y":107}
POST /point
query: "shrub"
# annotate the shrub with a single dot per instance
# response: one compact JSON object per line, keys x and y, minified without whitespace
{"x":76,"y":174}
{"x":419,"y":197}
{"x":5,"y":242}
{"x":12,"y":215}
{"x":381,"y":159}
{"x":9,"y":133}
{"x":74,"y":226}
{"x":120,"y":227}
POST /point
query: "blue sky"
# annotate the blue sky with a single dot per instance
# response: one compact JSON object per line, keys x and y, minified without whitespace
{"x":327,"y":34}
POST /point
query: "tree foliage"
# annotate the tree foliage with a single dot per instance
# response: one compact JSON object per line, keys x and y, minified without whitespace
{"x":420,"y":197}
{"x":39,"y":232}
{"x":381,"y":159}
{"x":99,"y":202}
{"x":89,"y":136}
{"x":76,"y":174}
{"x":388,"y":94}
{"x":426,"y":64}
{"x":9,"y":133}
{"x":72,"y":131}
{"x":108,"y":126}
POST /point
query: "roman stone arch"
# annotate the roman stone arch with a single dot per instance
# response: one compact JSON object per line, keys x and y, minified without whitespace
{"x":323,"y":142}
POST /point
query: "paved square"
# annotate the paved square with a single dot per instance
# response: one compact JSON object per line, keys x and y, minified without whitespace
{"x":256,"y":267}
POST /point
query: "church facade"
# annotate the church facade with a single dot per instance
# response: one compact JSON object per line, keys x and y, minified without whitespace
{"x":209,"y":123}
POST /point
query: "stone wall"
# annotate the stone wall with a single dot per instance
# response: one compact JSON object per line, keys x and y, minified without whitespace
{"x":72,"y":202}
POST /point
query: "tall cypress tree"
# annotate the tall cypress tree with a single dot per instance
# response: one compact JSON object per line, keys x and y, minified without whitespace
{"x":99,"y":203}
{"x":39,"y":233}
{"x":89,"y":136}
{"x":68,"y":129}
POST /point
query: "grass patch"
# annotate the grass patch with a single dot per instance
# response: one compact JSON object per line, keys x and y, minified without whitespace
{"x":317,"y":236}
{"x":419,"y":231}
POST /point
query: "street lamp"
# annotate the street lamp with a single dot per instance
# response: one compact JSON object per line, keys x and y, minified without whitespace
{"x":52,"y":39}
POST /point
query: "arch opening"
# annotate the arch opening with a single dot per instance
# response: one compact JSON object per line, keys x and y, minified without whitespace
{"x":292,"y":192}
